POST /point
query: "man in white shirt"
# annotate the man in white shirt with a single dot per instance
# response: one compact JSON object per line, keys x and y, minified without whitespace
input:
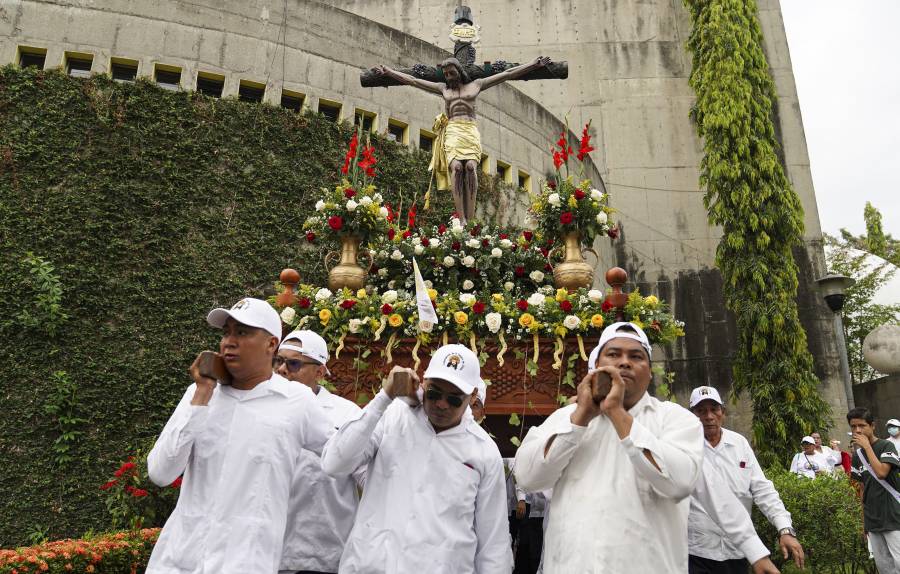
{"x":435,"y":496}
{"x":236,"y":445}
{"x":321,"y":508}
{"x":621,"y":468}
{"x":810,"y":463}
{"x":711,"y":551}
{"x":893,"y":430}
{"x":832,"y":454}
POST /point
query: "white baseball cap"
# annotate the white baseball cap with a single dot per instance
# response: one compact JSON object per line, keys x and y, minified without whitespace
{"x":482,"y":392}
{"x":251,"y":312}
{"x":808,"y":440}
{"x":311,"y":345}
{"x":456,"y":364}
{"x":701,"y":394}
{"x":893,"y":423}
{"x":613,"y":332}
{"x":592,"y":358}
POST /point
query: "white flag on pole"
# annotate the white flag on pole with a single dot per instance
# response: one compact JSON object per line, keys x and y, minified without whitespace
{"x":427,"y":317}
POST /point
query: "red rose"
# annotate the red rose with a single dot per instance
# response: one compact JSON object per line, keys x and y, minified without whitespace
{"x":565,"y":305}
{"x":139,"y":492}
{"x":579,"y":195}
{"x":386,"y":309}
{"x":442,"y":229}
{"x":528,"y":235}
{"x":504,"y":236}
{"x":613,"y":232}
{"x":407,"y":234}
{"x":551,"y":184}
{"x":606,"y":306}
{"x":349,"y":192}
{"x":177,"y":482}
{"x":347,"y":304}
{"x":310,"y":236}
{"x":513,"y":248}
{"x":566,"y":217}
{"x":108,"y":485}
{"x":485,"y":242}
{"x":374,"y":269}
{"x":456,"y":246}
{"x":522,"y":305}
{"x":474,"y":232}
{"x":335,"y":222}
{"x":424,"y":242}
{"x":548,"y":268}
{"x":478,"y":307}
{"x":520,"y":271}
{"x":391,"y":233}
{"x":304,"y":303}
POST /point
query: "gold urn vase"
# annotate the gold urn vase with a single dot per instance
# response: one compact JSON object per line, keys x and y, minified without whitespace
{"x":573,"y":272}
{"x":347,"y":273}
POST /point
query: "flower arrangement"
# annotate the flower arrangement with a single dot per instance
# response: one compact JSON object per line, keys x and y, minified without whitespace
{"x":353,"y":207}
{"x":118,"y":552}
{"x":133,"y":500}
{"x":564,"y":206}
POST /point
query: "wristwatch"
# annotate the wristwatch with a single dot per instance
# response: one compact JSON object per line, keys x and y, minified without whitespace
{"x":787,"y":530}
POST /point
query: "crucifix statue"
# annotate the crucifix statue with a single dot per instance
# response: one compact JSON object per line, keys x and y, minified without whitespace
{"x":456,"y":152}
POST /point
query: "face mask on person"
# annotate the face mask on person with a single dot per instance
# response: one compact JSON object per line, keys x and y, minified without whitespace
{"x":893,"y":431}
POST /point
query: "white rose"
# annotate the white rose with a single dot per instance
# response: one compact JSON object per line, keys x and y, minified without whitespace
{"x":509,"y":285}
{"x":426,"y":326}
{"x":389,"y":297}
{"x":428,"y":284}
{"x":553,"y":199}
{"x":288,"y":314}
{"x":537,"y":276}
{"x":351,"y":205}
{"x":536,"y":299}
{"x":496,"y":252}
{"x":602,"y":218}
{"x":468,"y":261}
{"x":382,"y":254}
{"x":595,"y":295}
{"x":571,"y":322}
{"x":355,"y":324}
{"x":383,"y":212}
{"x":457,"y":230}
{"x":382,"y":272}
{"x":320,"y":205}
{"x":377,"y":197}
{"x":323,"y":294}
{"x":312,"y":220}
{"x":433,"y":242}
{"x":448,"y":261}
{"x":596,"y":194}
{"x":396,"y":255}
{"x":547,"y":290}
{"x":468,"y":285}
{"x":473,"y":243}
{"x":466,"y":298}
{"x":493,"y":321}
{"x":365,"y":200}
{"x":418,"y":249}
{"x":455,"y":222}
{"x":506,"y":243}
{"x":391,"y":284}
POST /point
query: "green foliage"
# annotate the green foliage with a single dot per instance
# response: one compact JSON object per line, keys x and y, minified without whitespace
{"x":827,"y":515}
{"x":132,"y":500}
{"x":154,"y":207}
{"x":41,"y":287}
{"x":875,"y":241}
{"x":749,"y":196}
{"x":62,"y":405}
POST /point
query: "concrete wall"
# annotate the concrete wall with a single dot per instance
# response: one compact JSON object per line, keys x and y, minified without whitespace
{"x":628,"y":73}
{"x":882,"y":397}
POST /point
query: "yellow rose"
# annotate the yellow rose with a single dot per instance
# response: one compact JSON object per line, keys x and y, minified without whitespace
{"x":651,"y":301}
{"x":497,"y":297}
{"x":361,"y":294}
{"x":395,"y":320}
{"x":325,"y":316}
{"x":597,"y":321}
{"x":461,"y":317}
{"x":562,"y":294}
{"x":526,"y":320}
{"x":432,"y":294}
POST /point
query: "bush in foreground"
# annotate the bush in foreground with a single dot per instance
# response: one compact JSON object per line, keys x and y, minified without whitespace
{"x":117,"y":553}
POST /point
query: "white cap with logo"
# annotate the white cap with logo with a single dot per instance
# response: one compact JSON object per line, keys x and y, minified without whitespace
{"x":482,"y":392}
{"x":808,"y":440}
{"x":311,"y":345}
{"x":251,"y":312}
{"x":701,"y":394}
{"x":457,"y":365}
{"x":613,"y":332}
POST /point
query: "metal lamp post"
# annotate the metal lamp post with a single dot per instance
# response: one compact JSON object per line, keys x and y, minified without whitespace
{"x":832,"y":288}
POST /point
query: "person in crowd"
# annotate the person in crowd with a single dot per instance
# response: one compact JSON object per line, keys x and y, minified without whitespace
{"x":530,"y":511}
{"x":237,"y":446}
{"x":832,"y":452}
{"x":810,"y":463}
{"x":478,"y":402}
{"x":877,"y":466}
{"x":321,"y":508}
{"x":711,"y":551}
{"x":893,"y":430}
{"x":435,"y":498}
{"x":622,"y":468}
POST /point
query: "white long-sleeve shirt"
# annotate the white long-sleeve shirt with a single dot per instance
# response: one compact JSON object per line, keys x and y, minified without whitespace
{"x":238,"y":455}
{"x":434,"y":503}
{"x":736,"y":462}
{"x":613,"y":511}
{"x":321,"y":507}
{"x":807,"y":464}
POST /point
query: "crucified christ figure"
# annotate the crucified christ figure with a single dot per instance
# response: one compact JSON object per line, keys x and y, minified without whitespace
{"x":456,"y":152}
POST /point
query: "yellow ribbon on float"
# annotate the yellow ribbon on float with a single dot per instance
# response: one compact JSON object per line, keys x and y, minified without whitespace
{"x":557,"y":353}
{"x":380,"y":329}
{"x":584,"y":357}
{"x":340,"y":347}
{"x":472,"y":343}
{"x":502,"y":350}
{"x":390,"y":345}
{"x":537,"y":351}
{"x":415,"y":354}
{"x":444,"y":339}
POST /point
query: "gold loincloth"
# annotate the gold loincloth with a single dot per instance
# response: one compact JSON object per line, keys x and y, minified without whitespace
{"x":454,"y":139}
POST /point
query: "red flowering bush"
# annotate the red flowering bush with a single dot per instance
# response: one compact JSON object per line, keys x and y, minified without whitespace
{"x":132,"y":500}
{"x":121,"y":552}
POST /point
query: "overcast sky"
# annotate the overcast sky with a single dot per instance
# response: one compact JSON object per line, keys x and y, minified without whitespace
{"x":847,"y":66}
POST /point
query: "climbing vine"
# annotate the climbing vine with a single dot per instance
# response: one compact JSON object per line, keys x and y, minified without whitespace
{"x":750,"y":197}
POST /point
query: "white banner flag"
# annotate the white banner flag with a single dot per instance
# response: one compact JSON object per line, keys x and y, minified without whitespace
{"x":427,"y":317}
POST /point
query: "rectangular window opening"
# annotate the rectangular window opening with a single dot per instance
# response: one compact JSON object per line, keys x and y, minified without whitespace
{"x":426,"y":140}
{"x":123,"y":70}
{"x":210,"y":84}
{"x":167,"y":77}
{"x":252,"y":92}
{"x":30,"y":57}
{"x":330,"y":109}
{"x":524,"y":181}
{"x":504,"y":172}
{"x":367,"y":119}
{"x":292,"y":100}
{"x":398,"y":131}
{"x":78,"y":65}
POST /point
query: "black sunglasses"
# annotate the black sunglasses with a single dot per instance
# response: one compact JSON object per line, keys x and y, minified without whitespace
{"x":293,"y":365}
{"x":454,"y":401}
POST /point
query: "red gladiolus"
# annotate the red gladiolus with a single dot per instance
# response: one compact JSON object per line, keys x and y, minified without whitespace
{"x":613,"y":232}
{"x":368,"y":161}
{"x":177,"y":482}
{"x":139,"y":492}
{"x":566,"y":217}
{"x":310,"y":236}
{"x":528,"y":235}
{"x":456,"y":246}
{"x":391,"y":233}
{"x":606,"y":306}
{"x":478,"y":307}
{"x":565,"y":305}
{"x":347,"y":304}
{"x":351,"y":154}
{"x":579,"y":195}
{"x":391,"y":215}
{"x":126,"y":467}
{"x":557,"y":162}
{"x":335,"y":222}
{"x":520,"y":271}
{"x":407,"y":234}
{"x":349,"y":193}
{"x":386,"y":309}
{"x":304,"y":303}
{"x":411,"y":216}
{"x":522,"y":305}
{"x":108,"y":485}
{"x":585,"y":146}
{"x":442,"y":229}
{"x":129,"y":489}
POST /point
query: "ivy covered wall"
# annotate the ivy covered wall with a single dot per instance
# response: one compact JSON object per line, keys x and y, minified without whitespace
{"x":126,"y":213}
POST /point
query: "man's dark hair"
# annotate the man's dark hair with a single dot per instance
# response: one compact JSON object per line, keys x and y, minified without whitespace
{"x":463,"y":75}
{"x":861,"y":413}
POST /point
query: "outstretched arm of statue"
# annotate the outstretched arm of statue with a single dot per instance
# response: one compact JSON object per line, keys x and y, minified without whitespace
{"x":433,"y":87}
{"x":513,"y":73}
